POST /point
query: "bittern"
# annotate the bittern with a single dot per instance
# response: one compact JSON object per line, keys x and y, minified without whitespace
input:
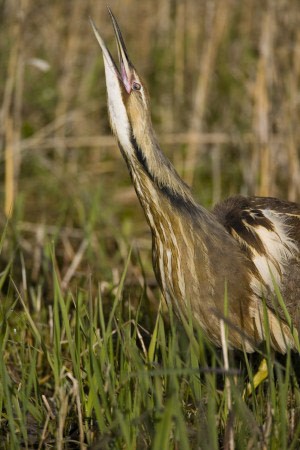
{"x":251,"y":245}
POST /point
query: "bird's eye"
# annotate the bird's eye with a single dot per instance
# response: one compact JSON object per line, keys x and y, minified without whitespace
{"x":136,"y":86}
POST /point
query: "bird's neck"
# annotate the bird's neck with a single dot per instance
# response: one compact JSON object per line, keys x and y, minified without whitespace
{"x":153,"y":175}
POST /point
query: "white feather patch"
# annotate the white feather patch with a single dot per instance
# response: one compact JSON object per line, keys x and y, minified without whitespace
{"x":279,"y":248}
{"x":117,"y":111}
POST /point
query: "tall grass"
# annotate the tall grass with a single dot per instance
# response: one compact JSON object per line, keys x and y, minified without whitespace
{"x":77,"y":376}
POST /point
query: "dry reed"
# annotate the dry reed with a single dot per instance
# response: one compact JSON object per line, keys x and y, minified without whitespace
{"x":223,"y":79}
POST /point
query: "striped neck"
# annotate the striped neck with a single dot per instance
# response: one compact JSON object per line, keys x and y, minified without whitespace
{"x":150,"y":168}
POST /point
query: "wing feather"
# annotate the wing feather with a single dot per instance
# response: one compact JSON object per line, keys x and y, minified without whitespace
{"x":268,"y":231}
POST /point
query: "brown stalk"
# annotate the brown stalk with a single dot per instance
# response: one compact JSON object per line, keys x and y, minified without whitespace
{"x":293,"y":140}
{"x":207,"y":63}
{"x":262,"y":106}
{"x":9,"y":168}
{"x":11,"y":111}
{"x":71,"y":56}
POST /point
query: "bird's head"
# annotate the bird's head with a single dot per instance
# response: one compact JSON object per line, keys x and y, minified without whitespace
{"x":128,"y":103}
{"x":129,"y":113}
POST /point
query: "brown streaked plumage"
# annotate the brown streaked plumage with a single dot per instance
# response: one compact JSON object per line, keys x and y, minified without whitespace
{"x":248,"y":245}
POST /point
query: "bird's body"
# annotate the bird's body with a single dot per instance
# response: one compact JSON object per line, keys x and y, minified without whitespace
{"x":246,"y":247}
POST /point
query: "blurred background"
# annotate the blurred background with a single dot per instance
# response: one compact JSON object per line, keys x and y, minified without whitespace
{"x":224,"y":80}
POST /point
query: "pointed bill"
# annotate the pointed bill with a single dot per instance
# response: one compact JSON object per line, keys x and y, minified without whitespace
{"x":108,"y":60}
{"x":116,"y":84}
{"x":125,"y":63}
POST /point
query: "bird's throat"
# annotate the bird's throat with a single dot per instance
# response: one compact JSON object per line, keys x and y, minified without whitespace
{"x":154,"y":170}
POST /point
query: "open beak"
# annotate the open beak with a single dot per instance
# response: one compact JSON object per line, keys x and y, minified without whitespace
{"x":126,"y":67}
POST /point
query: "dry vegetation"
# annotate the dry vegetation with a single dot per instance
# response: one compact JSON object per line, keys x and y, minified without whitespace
{"x":224,"y":80}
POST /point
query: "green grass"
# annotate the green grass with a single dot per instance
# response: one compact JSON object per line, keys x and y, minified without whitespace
{"x":82,"y":371}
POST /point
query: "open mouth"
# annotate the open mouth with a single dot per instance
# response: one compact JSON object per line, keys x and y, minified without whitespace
{"x":125,"y":72}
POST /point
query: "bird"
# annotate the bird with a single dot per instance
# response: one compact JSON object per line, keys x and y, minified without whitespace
{"x":246,"y":249}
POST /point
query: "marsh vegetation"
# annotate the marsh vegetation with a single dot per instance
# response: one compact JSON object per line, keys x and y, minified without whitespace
{"x":89,"y":355}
